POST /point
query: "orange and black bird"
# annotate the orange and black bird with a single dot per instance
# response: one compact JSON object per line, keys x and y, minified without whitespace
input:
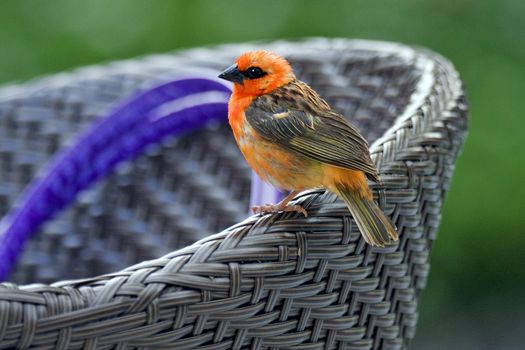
{"x":293,"y":139}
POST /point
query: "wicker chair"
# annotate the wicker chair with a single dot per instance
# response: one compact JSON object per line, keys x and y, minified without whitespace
{"x":269,"y":282}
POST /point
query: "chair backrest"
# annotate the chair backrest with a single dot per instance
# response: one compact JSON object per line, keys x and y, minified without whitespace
{"x":277,"y":281}
{"x":171,"y":109}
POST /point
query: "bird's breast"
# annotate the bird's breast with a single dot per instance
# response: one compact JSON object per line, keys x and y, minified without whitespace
{"x":275,"y":164}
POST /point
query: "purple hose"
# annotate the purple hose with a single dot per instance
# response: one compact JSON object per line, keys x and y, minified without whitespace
{"x":169,"y":109}
{"x":262,"y":192}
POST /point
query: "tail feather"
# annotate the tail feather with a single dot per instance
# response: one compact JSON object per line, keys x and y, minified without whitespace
{"x":374,"y":225}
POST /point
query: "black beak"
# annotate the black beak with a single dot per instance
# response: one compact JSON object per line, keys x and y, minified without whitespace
{"x":232,"y":74}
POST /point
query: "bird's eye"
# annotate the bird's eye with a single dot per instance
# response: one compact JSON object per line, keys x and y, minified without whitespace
{"x":254,"y":73}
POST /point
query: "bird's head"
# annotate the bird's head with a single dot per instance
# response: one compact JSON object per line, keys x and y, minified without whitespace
{"x":257,"y":73}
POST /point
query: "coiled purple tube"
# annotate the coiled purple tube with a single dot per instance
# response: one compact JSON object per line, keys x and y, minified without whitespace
{"x":169,"y":109}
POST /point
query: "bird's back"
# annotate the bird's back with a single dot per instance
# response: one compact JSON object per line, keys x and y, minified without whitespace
{"x":295,"y":117}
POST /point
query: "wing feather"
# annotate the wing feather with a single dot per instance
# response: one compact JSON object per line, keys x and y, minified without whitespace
{"x":311,"y":129}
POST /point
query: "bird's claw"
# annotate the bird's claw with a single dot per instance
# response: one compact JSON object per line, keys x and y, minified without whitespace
{"x":274,"y":208}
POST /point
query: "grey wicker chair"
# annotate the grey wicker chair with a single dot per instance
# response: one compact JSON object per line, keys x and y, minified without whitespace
{"x":269,"y":282}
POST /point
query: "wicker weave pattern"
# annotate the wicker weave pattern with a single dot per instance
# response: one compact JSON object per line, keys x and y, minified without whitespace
{"x":278,"y":281}
{"x":191,"y":188}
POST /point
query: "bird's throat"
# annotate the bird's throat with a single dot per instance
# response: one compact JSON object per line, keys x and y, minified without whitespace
{"x":236,"y":107}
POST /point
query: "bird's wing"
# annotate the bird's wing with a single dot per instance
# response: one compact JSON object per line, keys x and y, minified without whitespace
{"x":321,"y":135}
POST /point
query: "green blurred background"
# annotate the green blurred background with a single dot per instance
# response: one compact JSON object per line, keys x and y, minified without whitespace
{"x":475,"y":297}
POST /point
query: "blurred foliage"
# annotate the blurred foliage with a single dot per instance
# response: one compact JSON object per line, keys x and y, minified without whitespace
{"x":477,"y":262}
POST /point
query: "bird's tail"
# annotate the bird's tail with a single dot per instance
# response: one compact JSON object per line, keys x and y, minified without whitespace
{"x":375,"y":227}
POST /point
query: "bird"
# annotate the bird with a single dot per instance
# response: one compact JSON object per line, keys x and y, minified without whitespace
{"x":295,"y":141}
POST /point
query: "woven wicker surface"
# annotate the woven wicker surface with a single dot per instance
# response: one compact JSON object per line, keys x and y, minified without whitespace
{"x":278,"y":281}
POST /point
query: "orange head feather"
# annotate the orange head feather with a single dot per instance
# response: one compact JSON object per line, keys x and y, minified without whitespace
{"x":257,"y":73}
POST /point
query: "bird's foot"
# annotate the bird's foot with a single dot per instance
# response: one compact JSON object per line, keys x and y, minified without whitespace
{"x":274,"y":208}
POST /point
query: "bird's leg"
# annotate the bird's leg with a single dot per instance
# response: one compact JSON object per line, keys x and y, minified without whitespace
{"x":281,"y":206}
